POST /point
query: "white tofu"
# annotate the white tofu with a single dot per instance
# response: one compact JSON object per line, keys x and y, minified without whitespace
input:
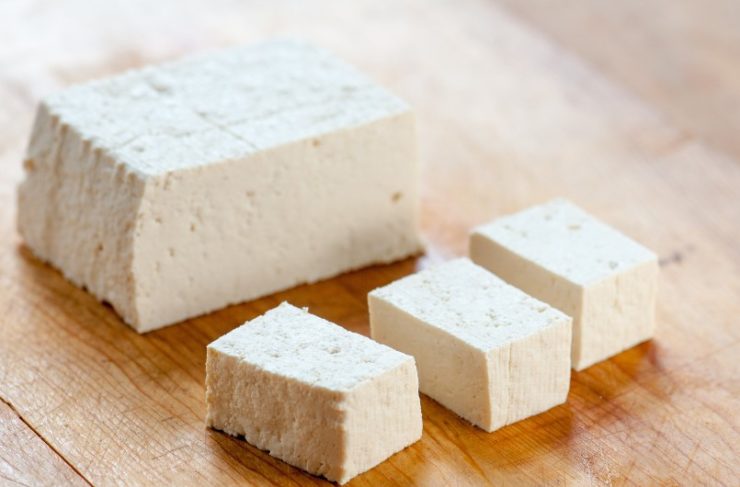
{"x":483,"y":348}
{"x":313,"y":394}
{"x":558,"y":253}
{"x":175,"y":190}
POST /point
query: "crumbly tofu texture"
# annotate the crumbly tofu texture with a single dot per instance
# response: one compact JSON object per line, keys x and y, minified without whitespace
{"x":326,"y":400}
{"x":560,"y":254}
{"x":483,"y":348}
{"x":178,"y":189}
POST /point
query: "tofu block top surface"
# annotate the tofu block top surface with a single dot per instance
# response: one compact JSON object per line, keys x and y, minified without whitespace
{"x":293,"y":343}
{"x":567,"y":241}
{"x":469,"y":302}
{"x":221,"y":105}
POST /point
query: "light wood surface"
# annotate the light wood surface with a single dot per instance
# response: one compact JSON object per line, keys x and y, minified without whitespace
{"x":507,"y":118}
{"x":682,"y":56}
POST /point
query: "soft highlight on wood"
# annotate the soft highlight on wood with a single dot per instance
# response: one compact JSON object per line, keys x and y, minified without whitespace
{"x":506,"y":119}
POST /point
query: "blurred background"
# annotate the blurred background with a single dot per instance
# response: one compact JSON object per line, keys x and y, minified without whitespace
{"x":680,"y":55}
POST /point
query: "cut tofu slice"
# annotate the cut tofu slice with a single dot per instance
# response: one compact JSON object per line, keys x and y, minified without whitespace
{"x":558,"y":253}
{"x":175,"y":190}
{"x":313,"y":394}
{"x":483,"y":348}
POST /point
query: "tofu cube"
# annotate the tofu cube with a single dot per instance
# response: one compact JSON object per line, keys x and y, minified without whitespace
{"x":483,"y":348}
{"x":323,"y":399}
{"x":175,"y":190}
{"x":558,"y":253}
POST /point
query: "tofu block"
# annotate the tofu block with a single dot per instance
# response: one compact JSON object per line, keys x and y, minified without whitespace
{"x":483,"y":348}
{"x":178,"y":189}
{"x":323,"y":399}
{"x":560,"y":254}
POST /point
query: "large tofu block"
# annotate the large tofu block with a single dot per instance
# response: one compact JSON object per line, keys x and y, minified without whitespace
{"x":483,"y":348}
{"x":175,"y":190}
{"x":558,"y":253}
{"x":313,"y":394}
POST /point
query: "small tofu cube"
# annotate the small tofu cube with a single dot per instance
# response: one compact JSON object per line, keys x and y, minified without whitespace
{"x":560,"y":254}
{"x":483,"y":348}
{"x":313,"y":394}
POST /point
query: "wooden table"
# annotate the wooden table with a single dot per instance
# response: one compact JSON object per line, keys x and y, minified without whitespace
{"x":507,"y":118}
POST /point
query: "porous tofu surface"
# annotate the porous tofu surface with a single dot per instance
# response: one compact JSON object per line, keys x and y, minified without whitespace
{"x":483,"y":348}
{"x":326,"y":400}
{"x":221,"y":105}
{"x":469,"y":302}
{"x":564,"y":239}
{"x":558,"y":253}
{"x":293,"y":343}
{"x":178,"y":189}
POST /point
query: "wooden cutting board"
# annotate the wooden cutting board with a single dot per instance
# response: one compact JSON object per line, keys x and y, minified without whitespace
{"x":506,"y":119}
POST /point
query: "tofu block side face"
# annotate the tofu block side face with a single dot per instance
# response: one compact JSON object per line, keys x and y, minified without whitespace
{"x":219,"y":179}
{"x":77,"y":210}
{"x":299,"y":424}
{"x":537,"y":371}
{"x":568,"y":259}
{"x":292,"y":215}
{"x":450,"y":371}
{"x":321,"y":398}
{"x":619,"y":313}
{"x":386,"y":407}
{"x":534,"y":280}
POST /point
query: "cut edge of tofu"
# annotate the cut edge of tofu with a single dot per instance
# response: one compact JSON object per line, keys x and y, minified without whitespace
{"x":484,"y":232}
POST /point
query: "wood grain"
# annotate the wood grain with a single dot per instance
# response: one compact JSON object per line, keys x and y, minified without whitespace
{"x":24,"y":457}
{"x":506,"y":119}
